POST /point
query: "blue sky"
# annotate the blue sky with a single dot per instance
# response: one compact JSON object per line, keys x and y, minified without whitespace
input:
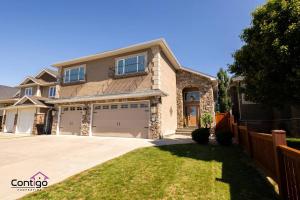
{"x":36,"y":34}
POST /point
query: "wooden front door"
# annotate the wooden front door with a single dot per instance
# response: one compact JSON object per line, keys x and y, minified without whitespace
{"x":192,"y":115}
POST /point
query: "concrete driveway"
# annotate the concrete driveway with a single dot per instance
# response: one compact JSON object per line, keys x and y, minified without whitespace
{"x":59,"y":157}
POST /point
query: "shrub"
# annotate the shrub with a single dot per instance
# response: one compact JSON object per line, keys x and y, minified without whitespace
{"x":206,"y":120}
{"x":201,"y":135}
{"x":224,"y":138}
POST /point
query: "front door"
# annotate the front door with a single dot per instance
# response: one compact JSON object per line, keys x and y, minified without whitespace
{"x":192,"y":115}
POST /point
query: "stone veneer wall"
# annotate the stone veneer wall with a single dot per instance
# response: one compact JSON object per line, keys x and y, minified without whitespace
{"x":155,"y":116}
{"x":186,"y":79}
{"x":54,"y":122}
{"x":85,"y":121}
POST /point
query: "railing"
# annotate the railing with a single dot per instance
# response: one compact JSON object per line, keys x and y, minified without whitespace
{"x":270,"y":153}
{"x":263,"y":152}
{"x":289,"y":169}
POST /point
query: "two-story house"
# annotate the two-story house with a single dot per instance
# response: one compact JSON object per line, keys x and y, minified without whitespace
{"x":137,"y":91}
{"x":31,"y":110}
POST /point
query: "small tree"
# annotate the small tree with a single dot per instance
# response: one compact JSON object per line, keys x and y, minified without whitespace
{"x":223,"y":88}
{"x":206,"y":120}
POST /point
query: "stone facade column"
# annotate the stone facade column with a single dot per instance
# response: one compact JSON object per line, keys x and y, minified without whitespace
{"x":155,"y":118}
{"x":85,"y":122}
{"x":55,"y":118}
{"x":180,"y":115}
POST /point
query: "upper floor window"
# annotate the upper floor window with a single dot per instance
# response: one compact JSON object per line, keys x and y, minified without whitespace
{"x":131,"y":64}
{"x":74,"y":74}
{"x":28,"y":91}
{"x":52,"y":91}
{"x":192,"y":96}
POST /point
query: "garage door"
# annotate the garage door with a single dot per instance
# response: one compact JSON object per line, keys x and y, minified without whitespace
{"x":70,"y":120}
{"x":25,"y":121}
{"x":9,"y":121}
{"x":122,"y":120}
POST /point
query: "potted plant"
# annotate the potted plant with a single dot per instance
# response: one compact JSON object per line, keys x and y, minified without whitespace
{"x":201,"y":135}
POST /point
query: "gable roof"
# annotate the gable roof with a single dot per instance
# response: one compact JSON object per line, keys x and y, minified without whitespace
{"x":7,"y":92}
{"x":160,"y":42}
{"x":37,"y":80}
{"x":49,"y":71}
{"x":36,"y":101}
{"x":212,"y":78}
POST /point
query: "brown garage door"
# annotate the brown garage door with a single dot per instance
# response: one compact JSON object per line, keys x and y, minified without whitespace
{"x":70,"y":120}
{"x":121,"y":120}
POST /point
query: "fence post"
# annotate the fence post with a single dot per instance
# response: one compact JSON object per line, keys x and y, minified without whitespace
{"x":279,"y":138}
{"x":249,"y":142}
{"x":235,"y":133}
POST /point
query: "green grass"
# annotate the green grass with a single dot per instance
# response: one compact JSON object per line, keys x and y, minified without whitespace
{"x":293,"y":142}
{"x":187,"y":171}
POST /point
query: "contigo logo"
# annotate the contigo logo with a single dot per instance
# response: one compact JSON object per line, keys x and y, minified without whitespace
{"x":36,"y":182}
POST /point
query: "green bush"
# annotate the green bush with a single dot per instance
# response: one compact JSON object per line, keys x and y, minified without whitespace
{"x":224,"y":138}
{"x":201,"y":135}
{"x":206,"y":120}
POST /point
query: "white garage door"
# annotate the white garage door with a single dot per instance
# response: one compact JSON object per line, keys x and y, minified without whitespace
{"x":129,"y":119}
{"x":25,"y":120}
{"x":70,"y":120}
{"x":9,"y":121}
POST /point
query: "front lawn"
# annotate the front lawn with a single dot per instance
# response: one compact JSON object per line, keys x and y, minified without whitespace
{"x":187,"y":171}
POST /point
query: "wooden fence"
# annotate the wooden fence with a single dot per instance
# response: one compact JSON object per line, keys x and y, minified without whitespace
{"x":270,"y":153}
{"x":222,"y":121}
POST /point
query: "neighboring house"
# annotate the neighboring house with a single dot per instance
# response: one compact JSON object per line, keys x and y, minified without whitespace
{"x":27,"y":114}
{"x":8,"y":96}
{"x":260,"y":117}
{"x":137,"y":91}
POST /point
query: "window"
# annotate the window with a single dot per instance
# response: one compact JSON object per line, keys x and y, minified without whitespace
{"x":28,"y":91}
{"x":52,"y":91}
{"x":124,"y":106}
{"x":72,"y":108}
{"x":114,"y":106}
{"x":66,"y":109}
{"x":133,"y":106}
{"x":105,"y":107}
{"x":192,"y":96}
{"x":74,"y":74}
{"x":143,"y":105}
{"x":132,"y":64}
{"x":97,"y":107}
{"x":79,"y":108}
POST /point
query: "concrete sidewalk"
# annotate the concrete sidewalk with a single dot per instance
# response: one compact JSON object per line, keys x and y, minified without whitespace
{"x":60,"y":157}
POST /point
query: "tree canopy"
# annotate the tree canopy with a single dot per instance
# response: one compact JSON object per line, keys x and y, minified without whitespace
{"x":269,"y":60}
{"x":223,"y":87}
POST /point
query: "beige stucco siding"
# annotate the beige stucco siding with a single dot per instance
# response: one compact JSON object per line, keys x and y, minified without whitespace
{"x":169,"y":103}
{"x":100,"y":79}
{"x":45,"y":91}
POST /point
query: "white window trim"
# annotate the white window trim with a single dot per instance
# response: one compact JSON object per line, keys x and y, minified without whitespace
{"x":130,"y":56}
{"x":27,"y":89}
{"x":49,"y":92}
{"x":74,"y":67}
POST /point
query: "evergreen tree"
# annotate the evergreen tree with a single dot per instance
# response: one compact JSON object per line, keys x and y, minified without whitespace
{"x":224,"y":102}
